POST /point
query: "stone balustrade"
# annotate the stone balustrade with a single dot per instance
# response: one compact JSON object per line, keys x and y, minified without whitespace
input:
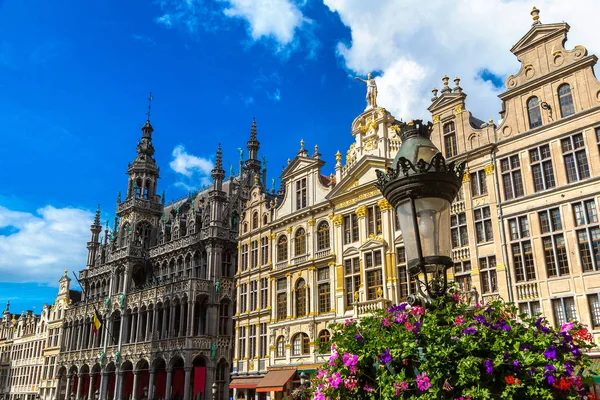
{"x":527,"y":290}
{"x":461,"y":253}
{"x":457,"y":207}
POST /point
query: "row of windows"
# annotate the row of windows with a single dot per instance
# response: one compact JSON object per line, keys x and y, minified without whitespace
{"x":257,"y":345}
{"x":483,"y":227}
{"x":300,"y":296}
{"x":300,"y":343}
{"x":564,"y":309}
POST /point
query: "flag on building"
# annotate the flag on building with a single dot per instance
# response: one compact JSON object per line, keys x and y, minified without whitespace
{"x":96,"y":322}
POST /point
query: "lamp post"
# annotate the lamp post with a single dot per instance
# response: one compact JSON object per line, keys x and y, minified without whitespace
{"x":304,"y":382}
{"x":421,"y":186}
{"x":145,"y":392}
{"x":214,"y":390}
{"x":96,"y":394}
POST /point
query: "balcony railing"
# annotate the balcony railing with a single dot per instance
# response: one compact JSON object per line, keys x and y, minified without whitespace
{"x":370,"y":306}
{"x":527,"y":291}
{"x":322,"y":253}
{"x":461,"y":253}
{"x":457,"y":207}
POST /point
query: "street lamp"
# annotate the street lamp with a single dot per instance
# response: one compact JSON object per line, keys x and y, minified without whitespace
{"x":214,"y":390}
{"x":421,"y":186}
{"x":303,"y":378}
{"x":96,"y":394}
{"x":145,"y":392}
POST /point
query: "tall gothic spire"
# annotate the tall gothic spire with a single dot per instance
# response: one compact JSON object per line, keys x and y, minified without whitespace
{"x":253,"y":143}
{"x":218,"y":174}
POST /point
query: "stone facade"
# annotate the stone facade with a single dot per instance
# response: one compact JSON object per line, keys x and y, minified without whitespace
{"x":524,"y":226}
{"x":162,"y":283}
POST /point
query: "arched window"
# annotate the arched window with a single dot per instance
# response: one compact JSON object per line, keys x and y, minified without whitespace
{"x":125,"y":235}
{"x":535,"y":115}
{"x":300,"y":298}
{"x":300,"y":242}
{"x":245,"y":229}
{"x":255,"y":220}
{"x":143,"y":232}
{"x":324,"y":336}
{"x":222,"y":378}
{"x":282,"y":248}
{"x":138,"y":188}
{"x":280,"y":351}
{"x":565,"y":98}
{"x":450,"y":139}
{"x":323,"y":236}
{"x":265,"y":219}
{"x":147,"y":189}
{"x":300,"y":344}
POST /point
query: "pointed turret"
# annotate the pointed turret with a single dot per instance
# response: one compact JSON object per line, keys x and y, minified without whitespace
{"x":93,"y":244}
{"x":218,"y":174}
{"x":253,"y":165}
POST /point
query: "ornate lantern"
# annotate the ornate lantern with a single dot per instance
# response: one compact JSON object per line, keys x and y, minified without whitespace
{"x":421,"y":186}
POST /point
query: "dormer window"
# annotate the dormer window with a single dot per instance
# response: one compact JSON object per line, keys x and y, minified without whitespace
{"x":533,"y":109}
{"x":565,"y":98}
{"x":450,"y":140}
{"x":301,"y":194}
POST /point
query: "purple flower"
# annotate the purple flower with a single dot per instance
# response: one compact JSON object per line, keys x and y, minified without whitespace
{"x":359,"y":338}
{"x":516,"y":365}
{"x":538,"y":324}
{"x":569,"y":368}
{"x":489,"y":366}
{"x":469,"y":331}
{"x":548,"y":374}
{"x":525,"y":347}
{"x":385,"y":357}
{"x":335,"y":380}
{"x":350,"y":360}
{"x":385,"y":322}
{"x":480,"y":318}
{"x":566,"y":327}
{"x":550,"y":353}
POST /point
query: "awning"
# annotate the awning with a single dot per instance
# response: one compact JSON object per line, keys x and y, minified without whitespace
{"x":244,"y":383}
{"x":274,"y":381}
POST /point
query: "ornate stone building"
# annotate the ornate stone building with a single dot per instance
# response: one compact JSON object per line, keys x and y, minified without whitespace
{"x":526,"y":226}
{"x":162,"y":281}
{"x":27,"y":362}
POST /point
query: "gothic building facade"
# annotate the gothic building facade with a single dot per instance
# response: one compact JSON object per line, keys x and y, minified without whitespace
{"x":162,"y":283}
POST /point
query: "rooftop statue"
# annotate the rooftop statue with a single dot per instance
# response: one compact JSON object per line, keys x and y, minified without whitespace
{"x":371,"y":90}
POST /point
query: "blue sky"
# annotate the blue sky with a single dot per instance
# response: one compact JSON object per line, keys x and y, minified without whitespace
{"x":75,"y":77}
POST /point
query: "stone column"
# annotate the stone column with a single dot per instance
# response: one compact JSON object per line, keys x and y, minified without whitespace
{"x":104,"y":385}
{"x":190,"y":311}
{"x":135,"y":385}
{"x":91,"y":387}
{"x":168,"y":383}
{"x":80,"y":377}
{"x":181,"y":319}
{"x":118,"y":385}
{"x":57,"y":390}
{"x":134,"y":319}
{"x":152,"y":376}
{"x":171,"y":326}
{"x":68,"y":388}
{"x":187,"y":383}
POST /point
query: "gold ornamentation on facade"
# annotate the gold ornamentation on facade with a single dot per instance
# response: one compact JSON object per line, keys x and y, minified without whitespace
{"x":466,"y":177}
{"x":371,"y":143}
{"x":363,"y":128}
{"x":361,"y":211}
{"x":379,"y":292}
{"x":384,"y":205}
{"x":372,"y":236}
{"x":395,"y":128}
{"x":338,"y":219}
{"x":338,"y":157}
{"x":311,"y":222}
{"x":288,"y":229}
{"x":436,"y":119}
{"x":489,"y":169}
{"x":331,"y":263}
{"x":358,"y":198}
{"x":500,"y":267}
{"x":331,"y":215}
{"x":458,"y":109}
{"x":356,"y":296}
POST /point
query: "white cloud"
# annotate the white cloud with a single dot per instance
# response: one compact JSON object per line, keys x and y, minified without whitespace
{"x":195,"y":169}
{"x":268,"y":18}
{"x":413,"y":45}
{"x":38,"y":247}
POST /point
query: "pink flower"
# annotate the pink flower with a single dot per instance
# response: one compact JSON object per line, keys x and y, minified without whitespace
{"x":459,"y":320}
{"x":350,"y":360}
{"x":400,"y":386}
{"x":350,"y":383}
{"x":386,"y":322}
{"x":348,"y":322}
{"x":335,"y":380}
{"x":456,"y":297}
{"x":334,"y":356}
{"x":408,"y":326}
{"x":566,"y":327}
{"x":319,"y":396}
{"x":417,"y":310}
{"x":423,"y":382}
{"x":321,"y":374}
{"x":368,"y":388}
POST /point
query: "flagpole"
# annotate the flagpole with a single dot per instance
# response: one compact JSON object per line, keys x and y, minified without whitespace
{"x":95,"y":310}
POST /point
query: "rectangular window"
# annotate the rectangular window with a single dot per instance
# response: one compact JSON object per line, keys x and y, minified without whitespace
{"x":264,"y":293}
{"x":350,"y":228}
{"x":460,"y":235}
{"x":281,"y":306}
{"x":576,"y":164}
{"x":263,"y":341}
{"x":264,"y":251}
{"x":253,"y":295}
{"x":244,"y":257}
{"x":483,"y":224}
{"x":252,"y":341}
{"x":512,"y":180}
{"x":478,"y":183}
{"x":254,"y":254}
{"x":531,"y":308}
{"x":462,"y":275}
{"x":242,"y":341}
{"x":243,"y":297}
{"x":450,"y":146}
{"x":324,"y":290}
{"x":594,"y":305}
{"x":407,"y":284}
{"x":541,"y":168}
{"x":374,"y":220}
{"x":487,"y":275}
{"x":555,"y":251}
{"x":373,"y":262}
{"x":521,"y":250}
{"x":352,"y":280}
{"x":564,"y":310}
{"x":301,"y":194}
{"x":588,"y":237}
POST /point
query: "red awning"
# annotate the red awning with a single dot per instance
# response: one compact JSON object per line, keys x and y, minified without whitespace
{"x":274,"y":381}
{"x":244,"y":383}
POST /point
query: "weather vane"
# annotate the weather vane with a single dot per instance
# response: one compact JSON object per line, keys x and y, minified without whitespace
{"x":149,"y":105}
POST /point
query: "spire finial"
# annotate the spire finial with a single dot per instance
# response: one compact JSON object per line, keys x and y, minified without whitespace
{"x":97,"y":217}
{"x":219,"y":160}
{"x":150,"y":98}
{"x":535,"y":14}
{"x":253,"y":129}
{"x":446,"y":88}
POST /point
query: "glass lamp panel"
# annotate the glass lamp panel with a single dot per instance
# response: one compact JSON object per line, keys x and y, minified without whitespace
{"x":405,"y":220}
{"x":433,"y":217}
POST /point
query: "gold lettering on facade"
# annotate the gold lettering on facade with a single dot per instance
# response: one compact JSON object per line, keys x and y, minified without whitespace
{"x":358,"y":198}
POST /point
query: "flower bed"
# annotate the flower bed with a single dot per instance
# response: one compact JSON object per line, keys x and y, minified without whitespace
{"x":453,"y":352}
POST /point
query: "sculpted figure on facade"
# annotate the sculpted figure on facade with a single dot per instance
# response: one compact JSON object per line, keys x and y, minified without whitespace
{"x":371,"y":90}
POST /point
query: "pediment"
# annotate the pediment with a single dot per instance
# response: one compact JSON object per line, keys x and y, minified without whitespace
{"x":351,"y":251}
{"x":300,"y":164}
{"x":539,"y":33}
{"x":447,"y":99}
{"x":358,"y":174}
{"x":372,"y":243}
